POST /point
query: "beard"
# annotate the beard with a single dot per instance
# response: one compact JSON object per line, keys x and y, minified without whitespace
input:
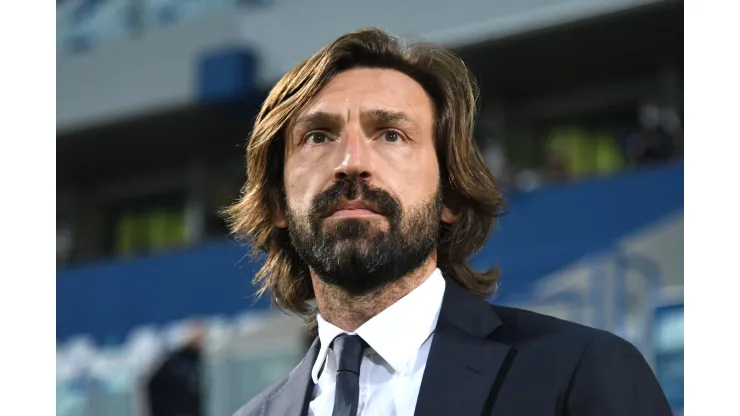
{"x":358,"y":254}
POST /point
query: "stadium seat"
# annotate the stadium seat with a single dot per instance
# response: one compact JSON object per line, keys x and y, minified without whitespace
{"x":91,"y":22}
{"x":79,"y":352}
{"x":175,"y":334}
{"x":143,"y":348}
{"x":219,"y":332}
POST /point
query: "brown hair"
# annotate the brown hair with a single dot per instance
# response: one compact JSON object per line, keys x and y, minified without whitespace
{"x":468,"y":187}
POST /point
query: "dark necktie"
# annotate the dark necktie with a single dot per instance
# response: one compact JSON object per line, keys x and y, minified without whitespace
{"x":349,"y":348}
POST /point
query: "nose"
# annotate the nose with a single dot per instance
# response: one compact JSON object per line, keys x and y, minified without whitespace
{"x":355,"y":157}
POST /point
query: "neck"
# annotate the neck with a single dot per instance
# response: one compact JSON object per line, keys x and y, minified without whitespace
{"x":348,"y":312}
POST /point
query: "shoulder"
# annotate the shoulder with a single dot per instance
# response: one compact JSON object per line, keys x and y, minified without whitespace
{"x":527,"y":324}
{"x":594,"y":371}
{"x":256,"y":406}
{"x":524,"y":329}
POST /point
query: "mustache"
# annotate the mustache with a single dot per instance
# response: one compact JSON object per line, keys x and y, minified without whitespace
{"x":380,"y":200}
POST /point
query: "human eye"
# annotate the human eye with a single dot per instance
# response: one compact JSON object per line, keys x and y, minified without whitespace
{"x":316,"y":137}
{"x":392,"y":136}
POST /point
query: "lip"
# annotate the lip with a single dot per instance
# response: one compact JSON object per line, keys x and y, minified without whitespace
{"x":353,"y":209}
{"x":355,"y":213}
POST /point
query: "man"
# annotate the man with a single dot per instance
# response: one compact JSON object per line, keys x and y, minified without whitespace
{"x":368,"y":195}
{"x":174,"y":389}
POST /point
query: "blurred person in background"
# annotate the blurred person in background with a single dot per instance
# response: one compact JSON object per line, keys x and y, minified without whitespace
{"x":657,"y":137}
{"x":174,"y":389}
{"x":368,"y":195}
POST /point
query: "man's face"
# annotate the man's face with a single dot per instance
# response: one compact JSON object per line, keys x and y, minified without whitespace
{"x":362,"y":180}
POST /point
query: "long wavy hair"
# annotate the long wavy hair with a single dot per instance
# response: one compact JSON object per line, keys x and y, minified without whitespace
{"x":468,"y":188}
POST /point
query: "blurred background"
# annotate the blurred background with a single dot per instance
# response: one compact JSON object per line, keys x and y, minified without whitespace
{"x":581,"y":122}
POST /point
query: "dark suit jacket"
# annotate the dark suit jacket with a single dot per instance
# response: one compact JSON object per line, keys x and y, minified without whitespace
{"x":492,"y":360}
{"x":174,"y":388}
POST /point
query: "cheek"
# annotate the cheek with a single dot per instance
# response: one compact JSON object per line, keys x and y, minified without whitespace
{"x":302,"y":181}
{"x":295,"y":190}
{"x":414,"y":176}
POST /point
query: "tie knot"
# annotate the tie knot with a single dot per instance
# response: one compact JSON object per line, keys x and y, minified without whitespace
{"x":349,"y":348}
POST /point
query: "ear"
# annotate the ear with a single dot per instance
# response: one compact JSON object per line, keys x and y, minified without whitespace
{"x":448,"y":216}
{"x":277,"y":209}
{"x":279,"y":220}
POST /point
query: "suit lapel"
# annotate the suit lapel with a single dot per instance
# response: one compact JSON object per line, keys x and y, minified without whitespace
{"x":293,"y":397}
{"x":463,"y":364}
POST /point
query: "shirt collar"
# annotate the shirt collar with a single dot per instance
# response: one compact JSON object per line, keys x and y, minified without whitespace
{"x":397,"y":332}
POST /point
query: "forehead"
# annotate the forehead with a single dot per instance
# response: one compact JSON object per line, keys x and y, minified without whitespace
{"x":372,"y":88}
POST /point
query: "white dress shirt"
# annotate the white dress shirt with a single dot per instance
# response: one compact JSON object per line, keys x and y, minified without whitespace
{"x":393,"y":365}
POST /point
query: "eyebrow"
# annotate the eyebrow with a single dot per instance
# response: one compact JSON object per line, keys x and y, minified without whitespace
{"x":387,"y":117}
{"x":377,"y":116}
{"x":317,"y":120}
